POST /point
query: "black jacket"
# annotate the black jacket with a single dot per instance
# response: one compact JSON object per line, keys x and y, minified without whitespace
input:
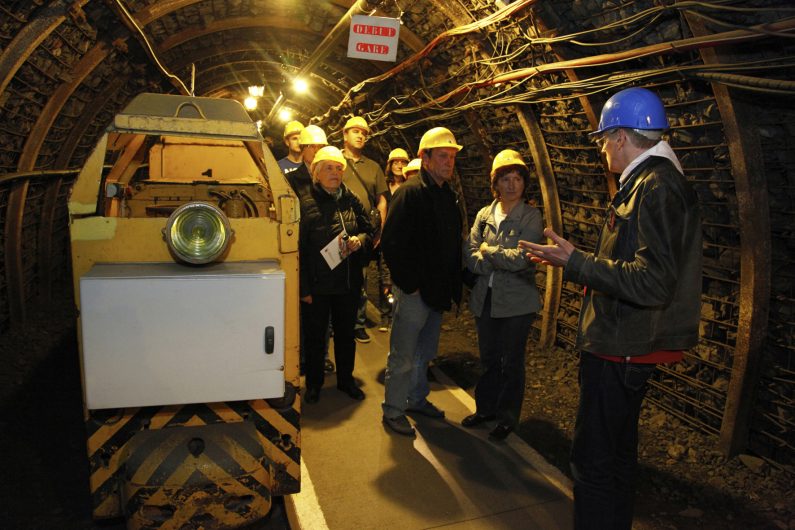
{"x":644,"y":279}
{"x":322,"y":217}
{"x":422,"y":241}
{"x":301,"y":181}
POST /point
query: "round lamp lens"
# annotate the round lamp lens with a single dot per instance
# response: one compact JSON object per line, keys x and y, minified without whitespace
{"x":198,"y":233}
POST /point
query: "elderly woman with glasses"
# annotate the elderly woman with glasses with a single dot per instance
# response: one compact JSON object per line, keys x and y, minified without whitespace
{"x":335,"y":237}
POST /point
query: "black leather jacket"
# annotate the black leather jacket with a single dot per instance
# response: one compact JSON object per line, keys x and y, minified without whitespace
{"x":643,"y":283}
{"x":422,"y":241}
{"x":322,"y":217}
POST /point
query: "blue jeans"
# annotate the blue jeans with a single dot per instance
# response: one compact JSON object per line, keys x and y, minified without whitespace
{"x":412,"y":345}
{"x":604,"y":453}
{"x":502,"y":343}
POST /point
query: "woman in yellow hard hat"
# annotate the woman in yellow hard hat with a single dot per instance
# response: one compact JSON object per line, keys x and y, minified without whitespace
{"x":335,"y":235}
{"x":504,"y":298}
{"x":395,"y":164}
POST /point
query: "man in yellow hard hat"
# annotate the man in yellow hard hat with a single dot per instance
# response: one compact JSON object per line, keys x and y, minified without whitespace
{"x":310,"y":140}
{"x":422,"y":243}
{"x":292,"y":161}
{"x":365,"y":178}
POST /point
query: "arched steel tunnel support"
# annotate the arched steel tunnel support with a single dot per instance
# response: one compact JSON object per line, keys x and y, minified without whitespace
{"x":27,"y":161}
{"x":745,"y":153}
{"x":553,"y":218}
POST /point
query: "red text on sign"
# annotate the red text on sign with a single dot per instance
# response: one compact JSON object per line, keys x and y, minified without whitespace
{"x":366,"y":29}
{"x":366,"y":47}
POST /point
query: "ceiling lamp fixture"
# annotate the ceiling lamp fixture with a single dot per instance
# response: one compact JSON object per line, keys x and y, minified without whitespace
{"x":285,"y":115}
{"x":254,"y":93}
{"x":250,"y":103}
{"x":300,"y":85}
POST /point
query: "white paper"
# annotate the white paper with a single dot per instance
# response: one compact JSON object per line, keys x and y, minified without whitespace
{"x":332,"y":253}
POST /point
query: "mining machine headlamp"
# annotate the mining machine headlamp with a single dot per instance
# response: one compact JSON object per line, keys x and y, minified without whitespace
{"x":197,"y":233}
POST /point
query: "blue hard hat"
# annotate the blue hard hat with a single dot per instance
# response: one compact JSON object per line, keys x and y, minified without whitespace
{"x":633,"y":108}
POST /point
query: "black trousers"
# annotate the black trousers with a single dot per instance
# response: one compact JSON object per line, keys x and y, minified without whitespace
{"x":342,"y":308}
{"x":502,"y":343}
{"x":604,"y":454}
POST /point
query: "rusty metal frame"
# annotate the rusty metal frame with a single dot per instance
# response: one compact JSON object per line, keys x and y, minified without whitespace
{"x":87,"y":116}
{"x":49,"y":206}
{"x":27,"y":160}
{"x":745,"y":154}
{"x":31,"y":36}
{"x":554,"y":218}
{"x":13,"y":252}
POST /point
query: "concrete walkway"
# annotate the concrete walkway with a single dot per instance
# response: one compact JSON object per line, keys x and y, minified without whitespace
{"x":358,"y":475}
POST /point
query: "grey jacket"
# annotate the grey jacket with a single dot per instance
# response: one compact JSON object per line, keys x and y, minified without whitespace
{"x":644,"y":279}
{"x":513,"y":288}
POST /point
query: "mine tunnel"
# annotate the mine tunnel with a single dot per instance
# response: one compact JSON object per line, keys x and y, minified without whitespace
{"x":528,"y":75}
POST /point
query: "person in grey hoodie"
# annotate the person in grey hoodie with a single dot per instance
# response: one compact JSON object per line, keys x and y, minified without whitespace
{"x":504,"y":298}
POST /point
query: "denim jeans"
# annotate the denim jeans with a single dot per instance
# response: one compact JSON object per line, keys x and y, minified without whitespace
{"x":412,"y":345}
{"x":604,"y":454}
{"x":502,"y":343}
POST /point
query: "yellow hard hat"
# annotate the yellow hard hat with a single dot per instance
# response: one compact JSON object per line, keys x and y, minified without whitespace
{"x":356,"y":121}
{"x":293,"y":127}
{"x":329,"y":153}
{"x":438,"y":137}
{"x":312,"y":135}
{"x":397,"y":154}
{"x":506,"y":157}
{"x":414,"y":165}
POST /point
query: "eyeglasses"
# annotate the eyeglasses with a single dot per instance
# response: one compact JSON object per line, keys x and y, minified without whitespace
{"x":601,"y":140}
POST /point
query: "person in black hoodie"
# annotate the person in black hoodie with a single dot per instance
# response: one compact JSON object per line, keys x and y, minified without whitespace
{"x":335,"y":238}
{"x":422,"y":243}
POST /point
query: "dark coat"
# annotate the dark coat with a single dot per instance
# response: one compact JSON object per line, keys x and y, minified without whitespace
{"x":422,"y":241}
{"x":644,"y":279}
{"x":322,"y":217}
{"x":301,"y":181}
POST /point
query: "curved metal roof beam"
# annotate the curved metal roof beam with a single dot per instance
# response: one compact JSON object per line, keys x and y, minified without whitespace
{"x":30,"y":37}
{"x":195,"y":56}
{"x":244,"y":81}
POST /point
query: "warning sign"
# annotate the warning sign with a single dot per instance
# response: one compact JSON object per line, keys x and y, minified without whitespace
{"x":374,"y":38}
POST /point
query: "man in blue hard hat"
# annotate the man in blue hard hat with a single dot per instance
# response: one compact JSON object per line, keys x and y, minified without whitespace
{"x":641,"y":305}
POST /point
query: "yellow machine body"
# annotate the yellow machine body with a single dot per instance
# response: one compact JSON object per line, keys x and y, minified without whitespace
{"x":213,"y":464}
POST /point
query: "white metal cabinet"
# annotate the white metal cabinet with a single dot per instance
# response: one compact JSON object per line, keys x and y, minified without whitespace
{"x":168,"y":334}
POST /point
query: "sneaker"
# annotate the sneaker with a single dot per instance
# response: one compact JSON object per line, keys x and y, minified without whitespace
{"x":328,"y":366}
{"x":427,"y":409}
{"x":400,"y":425}
{"x":361,"y":335}
{"x":476,"y":419}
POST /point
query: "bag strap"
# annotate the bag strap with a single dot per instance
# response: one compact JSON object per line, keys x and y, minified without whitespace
{"x":361,"y":181}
